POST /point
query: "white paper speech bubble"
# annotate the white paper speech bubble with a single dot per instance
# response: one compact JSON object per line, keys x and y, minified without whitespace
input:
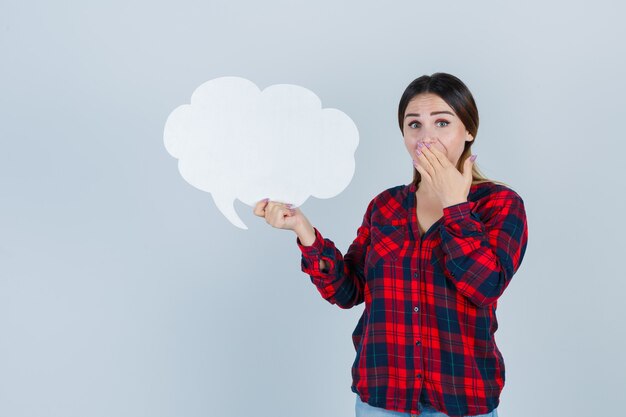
{"x":236,"y":141}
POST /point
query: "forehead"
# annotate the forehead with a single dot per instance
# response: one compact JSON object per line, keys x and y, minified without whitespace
{"x":425,"y":103}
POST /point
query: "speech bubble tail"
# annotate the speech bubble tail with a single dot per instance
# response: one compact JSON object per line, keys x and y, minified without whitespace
{"x":227,"y":208}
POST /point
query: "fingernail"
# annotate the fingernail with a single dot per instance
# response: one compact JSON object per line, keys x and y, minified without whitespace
{"x":428,"y":145}
{"x":289,"y":205}
{"x":473,"y":158}
{"x":419,"y":145}
{"x":418,"y":152}
{"x":265,"y":200}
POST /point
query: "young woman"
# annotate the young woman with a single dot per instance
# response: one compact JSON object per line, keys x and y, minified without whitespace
{"x":430,"y":261}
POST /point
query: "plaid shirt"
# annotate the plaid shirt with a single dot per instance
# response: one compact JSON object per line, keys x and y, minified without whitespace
{"x":427,"y":330}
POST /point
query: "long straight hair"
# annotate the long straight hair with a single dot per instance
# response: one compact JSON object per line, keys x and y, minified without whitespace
{"x":456,"y":94}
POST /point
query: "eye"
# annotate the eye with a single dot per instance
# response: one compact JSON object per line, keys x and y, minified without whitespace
{"x":442,"y":121}
{"x":414,"y":124}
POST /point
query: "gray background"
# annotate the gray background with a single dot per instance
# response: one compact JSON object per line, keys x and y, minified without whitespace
{"x":124,"y":292}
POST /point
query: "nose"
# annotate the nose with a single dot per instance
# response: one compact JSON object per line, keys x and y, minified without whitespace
{"x":426,"y":139}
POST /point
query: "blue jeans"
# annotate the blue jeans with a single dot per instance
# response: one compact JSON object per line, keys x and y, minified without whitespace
{"x":365,"y":410}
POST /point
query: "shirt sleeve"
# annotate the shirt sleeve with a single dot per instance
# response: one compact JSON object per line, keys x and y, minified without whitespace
{"x":483,"y":251}
{"x":343,"y":281}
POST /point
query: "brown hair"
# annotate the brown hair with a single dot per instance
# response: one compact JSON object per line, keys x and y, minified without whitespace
{"x":456,"y":94}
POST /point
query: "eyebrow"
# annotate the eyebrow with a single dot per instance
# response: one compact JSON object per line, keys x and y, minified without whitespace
{"x":432,"y":114}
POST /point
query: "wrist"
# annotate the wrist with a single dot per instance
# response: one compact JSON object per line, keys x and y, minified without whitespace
{"x":306,"y":234}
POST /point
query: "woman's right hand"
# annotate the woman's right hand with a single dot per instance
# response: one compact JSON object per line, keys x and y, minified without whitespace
{"x":281,"y":215}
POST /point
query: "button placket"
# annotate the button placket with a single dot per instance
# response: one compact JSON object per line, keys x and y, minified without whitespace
{"x":418,"y":346}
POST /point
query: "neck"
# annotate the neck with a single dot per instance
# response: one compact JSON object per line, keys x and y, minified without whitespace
{"x":423,"y":189}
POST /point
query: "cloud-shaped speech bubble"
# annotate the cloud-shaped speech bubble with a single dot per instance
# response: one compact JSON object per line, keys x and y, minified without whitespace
{"x":236,"y":141}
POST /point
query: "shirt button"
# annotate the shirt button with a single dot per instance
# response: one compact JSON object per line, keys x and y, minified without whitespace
{"x":415,"y":274}
{"x":419,"y":376}
{"x":416,"y":309}
{"x":418,"y":343}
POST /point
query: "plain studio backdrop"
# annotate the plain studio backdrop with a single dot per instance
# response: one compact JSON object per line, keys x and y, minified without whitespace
{"x":123,"y":290}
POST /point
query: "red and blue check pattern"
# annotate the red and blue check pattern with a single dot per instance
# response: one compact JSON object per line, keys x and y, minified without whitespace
{"x":427,"y":331}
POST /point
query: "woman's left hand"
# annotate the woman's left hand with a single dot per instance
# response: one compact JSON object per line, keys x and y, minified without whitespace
{"x":451,"y":186}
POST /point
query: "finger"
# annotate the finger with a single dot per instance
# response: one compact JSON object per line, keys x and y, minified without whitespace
{"x":259,"y":208}
{"x":467,"y":167}
{"x":434,"y":161}
{"x":441,"y":158}
{"x":273,"y":209}
{"x":288,"y":210}
{"x":281,"y":205}
{"x":278,"y":213}
{"x":425,"y":162}
{"x":425,"y":175}
{"x":268,"y":210}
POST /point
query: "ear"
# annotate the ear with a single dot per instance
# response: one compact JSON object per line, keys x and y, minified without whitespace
{"x":469,"y":136}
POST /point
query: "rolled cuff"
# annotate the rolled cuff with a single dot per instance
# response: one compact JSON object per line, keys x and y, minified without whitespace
{"x":458,"y":211}
{"x":315,"y":249}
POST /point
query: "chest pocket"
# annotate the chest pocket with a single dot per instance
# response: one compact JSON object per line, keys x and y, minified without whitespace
{"x":386,"y":241}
